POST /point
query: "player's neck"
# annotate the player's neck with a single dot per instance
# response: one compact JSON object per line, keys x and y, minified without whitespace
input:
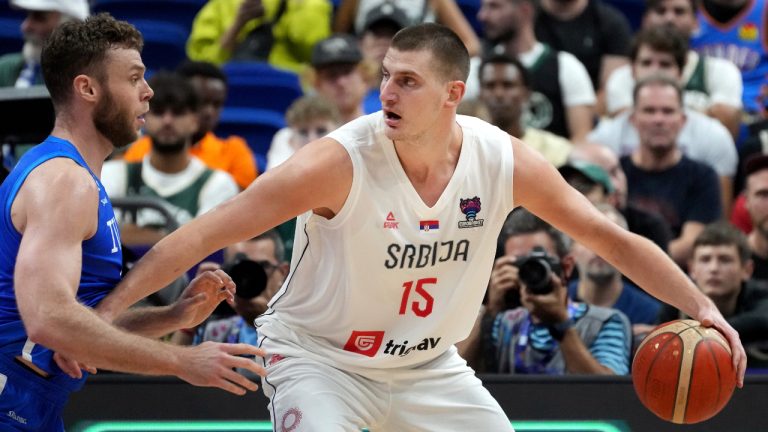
{"x":93,"y":147}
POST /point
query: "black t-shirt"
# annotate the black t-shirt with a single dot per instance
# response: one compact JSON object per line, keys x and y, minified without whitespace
{"x":687,"y":191}
{"x":648,"y":225}
{"x":599,"y":30}
{"x":761,"y":268}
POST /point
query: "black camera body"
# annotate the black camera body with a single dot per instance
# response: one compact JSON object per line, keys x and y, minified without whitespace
{"x":535,"y":270}
{"x":249,"y":276}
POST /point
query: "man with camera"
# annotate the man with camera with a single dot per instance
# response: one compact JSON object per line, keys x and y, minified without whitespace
{"x":258,"y":269}
{"x":529,"y":326}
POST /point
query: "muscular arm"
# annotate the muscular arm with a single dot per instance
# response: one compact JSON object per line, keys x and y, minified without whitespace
{"x":318,"y":176}
{"x":538,"y":187}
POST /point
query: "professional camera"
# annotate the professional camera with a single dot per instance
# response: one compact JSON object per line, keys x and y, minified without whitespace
{"x":248,"y":275}
{"x":535,"y":270}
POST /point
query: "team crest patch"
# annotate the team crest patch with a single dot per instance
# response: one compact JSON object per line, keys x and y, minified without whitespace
{"x":470,"y":207}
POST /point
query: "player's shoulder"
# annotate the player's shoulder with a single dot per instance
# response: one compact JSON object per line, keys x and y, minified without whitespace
{"x":362,"y":131}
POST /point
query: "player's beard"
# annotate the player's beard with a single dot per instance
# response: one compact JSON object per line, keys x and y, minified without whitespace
{"x":114,"y":123}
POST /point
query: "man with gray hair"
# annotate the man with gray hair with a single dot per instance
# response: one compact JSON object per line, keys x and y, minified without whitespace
{"x":22,"y":69}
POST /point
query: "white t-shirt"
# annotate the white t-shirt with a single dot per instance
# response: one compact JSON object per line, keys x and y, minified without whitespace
{"x":702,"y":139}
{"x":219,"y":187}
{"x":280,"y":149}
{"x":722,"y":81}
{"x":390,"y":282}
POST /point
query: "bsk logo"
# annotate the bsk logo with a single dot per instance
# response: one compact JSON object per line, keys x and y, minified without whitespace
{"x":390,"y":223}
{"x":470,"y":207}
{"x":366,"y":343}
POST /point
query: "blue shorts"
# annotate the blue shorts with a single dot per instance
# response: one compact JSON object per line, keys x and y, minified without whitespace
{"x":29,"y":402}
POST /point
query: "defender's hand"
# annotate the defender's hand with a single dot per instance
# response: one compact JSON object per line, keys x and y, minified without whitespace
{"x":212,"y":364}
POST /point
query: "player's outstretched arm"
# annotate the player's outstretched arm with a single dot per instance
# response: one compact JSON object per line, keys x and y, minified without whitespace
{"x":46,"y":279}
{"x":318,"y":177}
{"x":538,"y":187}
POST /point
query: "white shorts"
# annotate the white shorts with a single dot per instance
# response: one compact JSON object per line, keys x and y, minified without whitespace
{"x":441,"y":395}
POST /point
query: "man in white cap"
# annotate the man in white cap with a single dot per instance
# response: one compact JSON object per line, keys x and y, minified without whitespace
{"x":22,"y":69}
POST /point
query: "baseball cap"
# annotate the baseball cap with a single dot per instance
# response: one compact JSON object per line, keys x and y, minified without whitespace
{"x":337,"y":48}
{"x":386,"y":12}
{"x":593,"y":172}
{"x":755,"y":163}
{"x":74,"y":8}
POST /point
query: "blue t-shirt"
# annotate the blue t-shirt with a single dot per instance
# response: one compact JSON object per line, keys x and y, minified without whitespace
{"x":638,"y":306}
{"x":101,"y":259}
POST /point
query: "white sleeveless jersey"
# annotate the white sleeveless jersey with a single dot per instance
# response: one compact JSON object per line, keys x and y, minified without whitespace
{"x":390,"y":282}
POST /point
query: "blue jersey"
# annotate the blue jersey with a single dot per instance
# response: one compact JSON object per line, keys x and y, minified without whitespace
{"x":743,"y":41}
{"x":101,"y":260}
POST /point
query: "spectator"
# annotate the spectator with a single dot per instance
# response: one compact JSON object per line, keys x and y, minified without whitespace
{"x":735,"y":30}
{"x":380,"y":25}
{"x":660,"y":178}
{"x":589,"y":179}
{"x":756,"y":204}
{"x":601,"y":284}
{"x":281,"y":32}
{"x":563,"y":101}
{"x":352,"y":14}
{"x":230,"y":154}
{"x":721,"y":267}
{"x":255,"y":290}
{"x":548,"y":334}
{"x":339,"y":75}
{"x":661,"y":49}
{"x":712,"y":85}
{"x":308,"y":118}
{"x":505,"y":91}
{"x":168,"y":171}
{"x":22,"y":69}
{"x":639,"y":221}
{"x":593,"y":31}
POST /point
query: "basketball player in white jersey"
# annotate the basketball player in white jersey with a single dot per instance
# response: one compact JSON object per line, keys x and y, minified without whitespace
{"x":400,"y":211}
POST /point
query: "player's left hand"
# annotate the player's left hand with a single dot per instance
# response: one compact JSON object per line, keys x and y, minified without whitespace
{"x":202,"y":296}
{"x":711,"y":317}
{"x":71,"y":367}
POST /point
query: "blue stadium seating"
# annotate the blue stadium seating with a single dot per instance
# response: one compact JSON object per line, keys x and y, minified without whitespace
{"x":259,"y":85}
{"x":632,"y":9}
{"x":10,"y":35}
{"x":180,"y":12}
{"x":164,"y":44}
{"x":257,"y":126}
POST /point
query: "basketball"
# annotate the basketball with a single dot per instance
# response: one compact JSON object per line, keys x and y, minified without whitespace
{"x":683,"y":372}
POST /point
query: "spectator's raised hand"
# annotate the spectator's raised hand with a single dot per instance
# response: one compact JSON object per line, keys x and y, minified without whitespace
{"x":504,"y":278}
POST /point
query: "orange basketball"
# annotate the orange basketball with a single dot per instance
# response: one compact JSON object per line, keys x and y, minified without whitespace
{"x":683,"y":372}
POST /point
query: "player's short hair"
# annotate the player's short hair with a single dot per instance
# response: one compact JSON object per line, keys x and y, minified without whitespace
{"x":192,"y":68}
{"x":452,"y":58}
{"x":661,"y":38}
{"x":522,"y":221}
{"x":508,"y":60}
{"x":174,"y":92}
{"x":724,"y":234}
{"x":311,"y":107}
{"x":658,"y":80}
{"x":80,"y":47}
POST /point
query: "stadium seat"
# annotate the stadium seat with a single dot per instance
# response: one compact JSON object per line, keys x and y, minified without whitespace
{"x":632,"y":9}
{"x":180,"y":12}
{"x":259,"y":85}
{"x":11,"y":40}
{"x":257,"y":126}
{"x":164,"y":44}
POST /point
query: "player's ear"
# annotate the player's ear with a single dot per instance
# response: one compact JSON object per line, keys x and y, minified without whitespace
{"x":456,"y":90}
{"x":85,"y":87}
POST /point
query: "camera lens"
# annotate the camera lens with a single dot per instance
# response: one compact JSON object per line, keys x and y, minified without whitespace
{"x":536,"y":273}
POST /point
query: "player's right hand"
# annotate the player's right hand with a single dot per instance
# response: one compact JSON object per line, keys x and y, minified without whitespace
{"x":212,"y":364}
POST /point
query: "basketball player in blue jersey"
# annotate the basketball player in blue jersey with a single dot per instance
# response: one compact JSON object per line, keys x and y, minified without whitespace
{"x":399,"y":215}
{"x":60,"y":251}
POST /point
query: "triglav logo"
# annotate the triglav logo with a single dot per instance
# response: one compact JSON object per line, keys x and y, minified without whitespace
{"x":366,"y":343}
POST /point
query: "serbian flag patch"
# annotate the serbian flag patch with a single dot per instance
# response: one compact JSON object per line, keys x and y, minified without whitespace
{"x":429,"y":225}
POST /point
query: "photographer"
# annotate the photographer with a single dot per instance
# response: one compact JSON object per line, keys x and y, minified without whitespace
{"x":258,"y":269}
{"x":529,"y":326}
